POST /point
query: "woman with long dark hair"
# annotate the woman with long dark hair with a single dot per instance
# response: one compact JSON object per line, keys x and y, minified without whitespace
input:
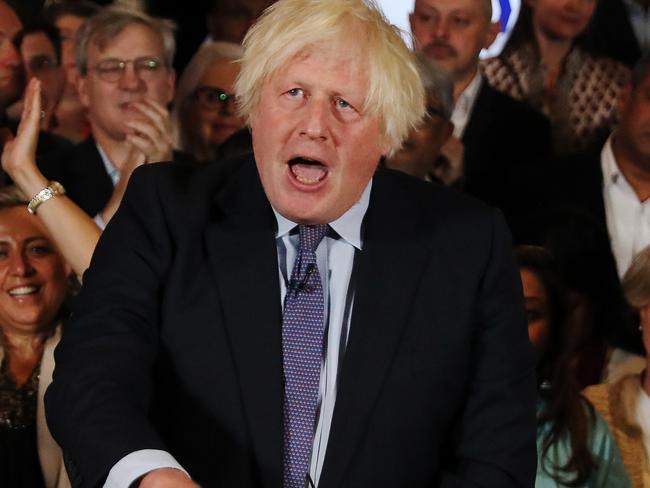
{"x":574,"y":445}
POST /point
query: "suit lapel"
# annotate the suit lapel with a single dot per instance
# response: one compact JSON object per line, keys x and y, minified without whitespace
{"x":241,"y":246}
{"x":387,"y":280}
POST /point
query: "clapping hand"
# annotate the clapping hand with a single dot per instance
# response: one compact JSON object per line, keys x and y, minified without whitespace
{"x":152,"y":134}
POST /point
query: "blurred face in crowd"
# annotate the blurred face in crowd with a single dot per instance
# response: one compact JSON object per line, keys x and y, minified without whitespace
{"x":315,"y":148}
{"x":536,"y":308}
{"x":109,"y":92}
{"x":562,"y":19}
{"x":32,"y":274}
{"x":633,"y":132}
{"x":39,"y":58}
{"x":421,"y":149}
{"x":451,"y":33}
{"x":68,"y":26}
{"x":11,"y":71}
{"x":216,"y":118}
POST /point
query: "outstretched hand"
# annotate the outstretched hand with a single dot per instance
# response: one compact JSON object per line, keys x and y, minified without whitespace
{"x":19,"y":155}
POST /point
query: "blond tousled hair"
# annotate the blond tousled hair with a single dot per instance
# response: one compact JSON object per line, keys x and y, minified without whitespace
{"x":395,"y":91}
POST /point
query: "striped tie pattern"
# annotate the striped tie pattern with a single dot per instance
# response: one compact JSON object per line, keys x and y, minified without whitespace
{"x":302,"y":346}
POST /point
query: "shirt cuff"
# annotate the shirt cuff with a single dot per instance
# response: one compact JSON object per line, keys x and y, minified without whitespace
{"x":100,"y":221}
{"x":132,"y":466}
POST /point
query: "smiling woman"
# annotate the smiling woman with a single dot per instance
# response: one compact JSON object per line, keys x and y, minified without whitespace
{"x":34,"y":284}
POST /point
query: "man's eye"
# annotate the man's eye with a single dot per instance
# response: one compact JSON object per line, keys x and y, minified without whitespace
{"x":460,"y":21}
{"x":109,"y":67}
{"x":295,"y":92}
{"x":342,"y":104}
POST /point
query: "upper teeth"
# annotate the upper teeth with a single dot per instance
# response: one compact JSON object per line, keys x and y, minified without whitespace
{"x":23,"y":290}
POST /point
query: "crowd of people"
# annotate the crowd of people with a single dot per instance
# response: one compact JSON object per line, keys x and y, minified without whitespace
{"x":554,"y":132}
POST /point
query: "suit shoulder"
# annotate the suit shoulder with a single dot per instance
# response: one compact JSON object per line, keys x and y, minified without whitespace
{"x":515,"y":110}
{"x":433,"y":201}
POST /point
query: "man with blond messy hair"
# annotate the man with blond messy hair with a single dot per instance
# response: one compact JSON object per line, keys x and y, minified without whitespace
{"x":295,"y":318}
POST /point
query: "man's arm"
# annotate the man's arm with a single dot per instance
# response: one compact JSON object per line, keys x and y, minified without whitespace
{"x":493,"y":443}
{"x":97,"y":405}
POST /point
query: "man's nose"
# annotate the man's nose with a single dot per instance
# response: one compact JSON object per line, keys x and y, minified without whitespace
{"x":130,"y":79}
{"x":441,"y":29}
{"x":9,"y":56}
{"x":316,"y":120}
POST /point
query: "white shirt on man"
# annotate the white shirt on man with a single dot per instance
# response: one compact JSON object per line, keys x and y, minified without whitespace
{"x":628,"y":219}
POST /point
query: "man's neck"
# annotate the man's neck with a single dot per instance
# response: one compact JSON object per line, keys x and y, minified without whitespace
{"x":635,"y":171}
{"x":462,"y":82}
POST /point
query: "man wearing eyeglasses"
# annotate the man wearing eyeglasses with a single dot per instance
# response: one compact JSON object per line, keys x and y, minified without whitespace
{"x":126,"y":81}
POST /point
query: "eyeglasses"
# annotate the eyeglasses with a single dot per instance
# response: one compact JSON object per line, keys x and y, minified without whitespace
{"x":213,"y":98}
{"x":112,"y":70}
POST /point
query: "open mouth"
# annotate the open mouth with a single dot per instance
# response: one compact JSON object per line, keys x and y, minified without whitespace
{"x":308,"y":171}
{"x":22,"y":291}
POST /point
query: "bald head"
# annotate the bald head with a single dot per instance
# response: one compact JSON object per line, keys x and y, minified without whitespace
{"x":452,"y":33}
{"x":11,"y":79}
{"x":485,"y":5}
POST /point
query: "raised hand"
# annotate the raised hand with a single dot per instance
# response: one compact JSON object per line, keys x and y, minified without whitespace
{"x":19,"y":155}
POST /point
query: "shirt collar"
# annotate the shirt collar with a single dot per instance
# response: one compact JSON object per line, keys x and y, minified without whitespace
{"x":112,"y":171}
{"x":611,"y":173}
{"x":468,"y":97}
{"x":348,"y":225}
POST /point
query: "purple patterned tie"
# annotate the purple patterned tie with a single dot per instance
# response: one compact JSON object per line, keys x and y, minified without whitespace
{"x":302,"y":346}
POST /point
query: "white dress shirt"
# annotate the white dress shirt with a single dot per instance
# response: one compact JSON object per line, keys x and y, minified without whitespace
{"x":335,"y":259}
{"x":628,"y":219}
{"x":465,"y":104}
{"x":113,"y":174}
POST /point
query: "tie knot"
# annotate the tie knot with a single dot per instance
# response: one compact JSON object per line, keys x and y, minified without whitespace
{"x":310,"y":236}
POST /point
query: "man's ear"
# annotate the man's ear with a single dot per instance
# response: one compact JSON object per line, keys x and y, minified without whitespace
{"x":82,"y":89}
{"x":624,"y":99}
{"x":493,"y":31}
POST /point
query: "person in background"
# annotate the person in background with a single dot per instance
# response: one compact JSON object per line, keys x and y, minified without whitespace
{"x":420,"y":153}
{"x":574,"y":445}
{"x":68,"y":16}
{"x":205,"y":112}
{"x":126,"y":81}
{"x":625,"y":403}
{"x":35,"y":282}
{"x":547,"y":65}
{"x":39,"y":46}
{"x":228,"y":21}
{"x":496,"y":131}
{"x":12,"y":84}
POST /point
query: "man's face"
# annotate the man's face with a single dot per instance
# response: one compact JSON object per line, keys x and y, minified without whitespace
{"x":39,"y":58}
{"x":68,"y":26}
{"x":315,"y":149}
{"x":11,"y":73}
{"x":451,"y":33}
{"x":109,"y":97}
{"x":634,"y":123}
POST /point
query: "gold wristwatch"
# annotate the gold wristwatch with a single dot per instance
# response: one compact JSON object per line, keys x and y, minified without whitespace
{"x":54,"y":189}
